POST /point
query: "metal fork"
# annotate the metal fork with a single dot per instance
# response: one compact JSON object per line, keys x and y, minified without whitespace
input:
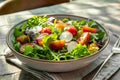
{"x":115,"y":49}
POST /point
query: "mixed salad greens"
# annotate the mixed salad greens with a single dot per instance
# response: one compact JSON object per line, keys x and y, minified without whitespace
{"x":48,"y":38}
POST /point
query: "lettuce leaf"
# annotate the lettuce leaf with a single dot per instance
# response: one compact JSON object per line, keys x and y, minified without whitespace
{"x":80,"y":51}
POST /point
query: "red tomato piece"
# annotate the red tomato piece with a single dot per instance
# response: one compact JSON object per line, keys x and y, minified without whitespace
{"x":57,"y":44}
{"x":89,"y":29}
{"x":73,"y":30}
{"x":23,"y":39}
{"x":84,"y":38}
{"x":46,"y":30}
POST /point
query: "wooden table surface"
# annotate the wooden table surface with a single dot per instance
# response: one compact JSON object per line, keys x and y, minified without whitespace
{"x":107,"y":14}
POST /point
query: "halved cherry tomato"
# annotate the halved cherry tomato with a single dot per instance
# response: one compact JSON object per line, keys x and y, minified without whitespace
{"x":84,"y":38}
{"x":39,"y":39}
{"x":46,"y":30}
{"x":40,"y":42}
{"x":59,"y":21}
{"x":89,"y":29}
{"x":73,"y":30}
{"x":23,"y":39}
{"x":57,"y":44}
{"x":60,"y":25}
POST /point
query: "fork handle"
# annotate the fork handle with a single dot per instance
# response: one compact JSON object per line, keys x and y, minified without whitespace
{"x":104,"y":62}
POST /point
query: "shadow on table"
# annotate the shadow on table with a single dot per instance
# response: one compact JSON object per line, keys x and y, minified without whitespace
{"x":107,"y":14}
{"x":26,"y":76}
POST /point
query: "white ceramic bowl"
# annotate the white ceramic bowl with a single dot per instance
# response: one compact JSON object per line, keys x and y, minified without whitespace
{"x":56,"y":66}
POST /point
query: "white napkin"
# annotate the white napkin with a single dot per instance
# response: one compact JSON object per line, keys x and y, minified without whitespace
{"x":5,"y":68}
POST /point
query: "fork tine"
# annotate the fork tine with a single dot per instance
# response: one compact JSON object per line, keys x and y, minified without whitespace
{"x":117,"y":42}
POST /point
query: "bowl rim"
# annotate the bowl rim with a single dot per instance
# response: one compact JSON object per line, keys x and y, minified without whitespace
{"x":61,"y":61}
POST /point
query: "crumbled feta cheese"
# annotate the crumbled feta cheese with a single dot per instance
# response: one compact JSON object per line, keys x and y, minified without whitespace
{"x":36,"y":29}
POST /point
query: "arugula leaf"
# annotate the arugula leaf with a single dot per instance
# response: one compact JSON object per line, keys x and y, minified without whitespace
{"x":79,"y":24}
{"x":37,"y":48}
{"x":41,"y":53}
{"x":28,"y":50}
{"x":43,"y":19}
{"x":24,"y":26}
{"x":34,"y":21}
{"x":57,"y":31}
{"x":47,"y":39}
{"x":93,"y":37}
{"x":66,"y":56}
{"x":65,"y":20}
{"x":18,"y":32}
{"x":83,"y":22}
{"x":92,"y":24}
{"x":17,"y":46}
{"x":99,"y":36}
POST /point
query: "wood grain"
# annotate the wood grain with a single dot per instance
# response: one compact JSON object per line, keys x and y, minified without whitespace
{"x":11,"y":6}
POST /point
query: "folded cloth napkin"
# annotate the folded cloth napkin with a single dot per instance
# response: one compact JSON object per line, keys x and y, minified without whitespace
{"x":112,"y":65}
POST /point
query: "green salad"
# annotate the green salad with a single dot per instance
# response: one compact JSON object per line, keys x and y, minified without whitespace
{"x":49,"y":38}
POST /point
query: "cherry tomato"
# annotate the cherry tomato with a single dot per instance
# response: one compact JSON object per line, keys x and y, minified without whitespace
{"x":46,"y":30}
{"x":23,"y":39}
{"x":59,"y":21}
{"x":57,"y":44}
{"x":84,"y":38}
{"x":40,"y":42}
{"x":89,"y":29}
{"x":39,"y":39}
{"x":60,"y":25}
{"x":73,"y":30}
